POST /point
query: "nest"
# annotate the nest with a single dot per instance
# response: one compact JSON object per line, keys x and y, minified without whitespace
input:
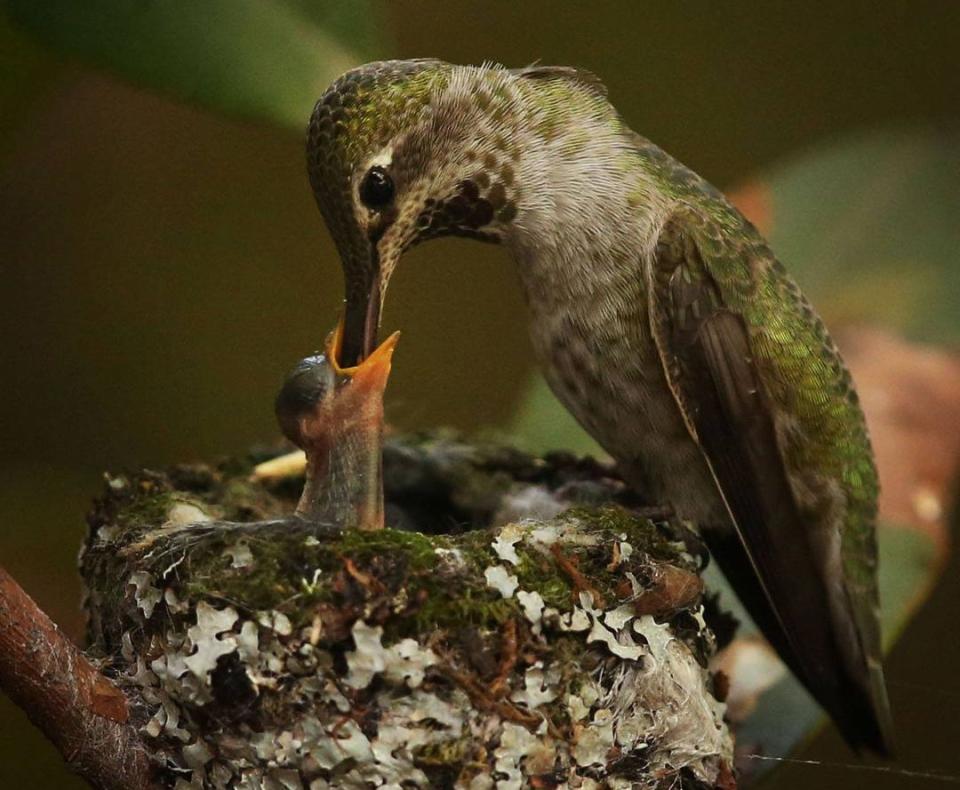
{"x":524,"y":623}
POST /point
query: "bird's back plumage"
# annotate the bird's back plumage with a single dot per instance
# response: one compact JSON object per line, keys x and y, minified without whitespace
{"x":761,"y":391}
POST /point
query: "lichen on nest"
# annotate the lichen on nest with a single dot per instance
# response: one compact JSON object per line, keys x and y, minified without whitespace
{"x":559,"y":642}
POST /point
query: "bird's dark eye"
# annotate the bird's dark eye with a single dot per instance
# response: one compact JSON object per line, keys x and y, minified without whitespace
{"x":376,"y":189}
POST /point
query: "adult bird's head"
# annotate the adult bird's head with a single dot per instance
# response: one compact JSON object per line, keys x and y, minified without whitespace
{"x":401,"y":151}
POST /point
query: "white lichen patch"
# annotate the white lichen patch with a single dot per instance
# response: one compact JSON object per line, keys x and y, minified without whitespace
{"x":621,"y":645}
{"x":407,"y":661}
{"x":567,"y":530}
{"x":577,"y":709}
{"x":277,"y":621}
{"x":173,"y":602}
{"x":576,"y":620}
{"x":635,"y":586}
{"x":146,"y":595}
{"x":516,"y":743}
{"x":544,"y":537}
{"x":207,"y":640}
{"x":107,"y":533}
{"x":196,"y":754}
{"x":336,"y":746}
{"x":539,"y":687}
{"x":595,"y":740}
{"x":656,"y":635}
{"x":504,"y":544}
{"x":619,"y":617}
{"x":449,"y":561}
{"x":617,"y":641}
{"x":369,"y":657}
{"x":239,"y":555}
{"x":532,"y":603}
{"x":393,"y":750}
{"x":166,"y":719}
{"x":248,"y":641}
{"x":169,"y":667}
{"x":404,"y":662}
{"x":501,"y":580}
{"x":183,"y":514}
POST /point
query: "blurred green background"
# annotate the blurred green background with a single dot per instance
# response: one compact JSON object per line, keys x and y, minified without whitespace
{"x":163,"y":264}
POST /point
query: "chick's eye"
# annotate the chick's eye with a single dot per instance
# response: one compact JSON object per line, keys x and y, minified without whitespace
{"x":376,"y":189}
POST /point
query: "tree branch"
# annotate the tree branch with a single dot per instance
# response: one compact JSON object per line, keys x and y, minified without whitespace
{"x":82,"y":713}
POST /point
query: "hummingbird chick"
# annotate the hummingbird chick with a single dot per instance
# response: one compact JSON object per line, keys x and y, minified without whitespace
{"x":661,"y":320}
{"x":335,"y":415}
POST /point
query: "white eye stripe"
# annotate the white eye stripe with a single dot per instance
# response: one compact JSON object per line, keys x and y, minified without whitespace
{"x":382,"y":159}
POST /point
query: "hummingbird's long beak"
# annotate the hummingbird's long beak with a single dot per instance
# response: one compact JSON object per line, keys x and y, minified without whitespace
{"x":361,"y":317}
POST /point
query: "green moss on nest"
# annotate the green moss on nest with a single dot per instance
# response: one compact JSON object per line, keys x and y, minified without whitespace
{"x":294,"y":567}
{"x":291,"y":570}
{"x":152,"y":509}
{"x":273,"y":579}
{"x":446,"y":754}
{"x":641,"y":533}
{"x":419,"y":550}
{"x":537,"y":574}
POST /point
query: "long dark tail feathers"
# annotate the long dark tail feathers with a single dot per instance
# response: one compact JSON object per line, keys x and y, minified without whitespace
{"x":858,"y":706}
{"x":881,"y":739}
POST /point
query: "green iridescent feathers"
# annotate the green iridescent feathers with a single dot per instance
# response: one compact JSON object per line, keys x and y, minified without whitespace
{"x":767,"y":396}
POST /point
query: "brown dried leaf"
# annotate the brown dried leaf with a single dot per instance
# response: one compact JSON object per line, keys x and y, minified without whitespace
{"x":672,"y":588}
{"x":911,"y":396}
{"x":755,"y":201}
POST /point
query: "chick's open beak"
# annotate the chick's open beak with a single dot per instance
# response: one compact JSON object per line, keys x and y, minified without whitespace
{"x":342,"y":435}
{"x":369,"y":376}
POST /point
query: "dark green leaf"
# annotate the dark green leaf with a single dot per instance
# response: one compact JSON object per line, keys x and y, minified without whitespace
{"x":265,"y":59}
{"x":869,"y":227}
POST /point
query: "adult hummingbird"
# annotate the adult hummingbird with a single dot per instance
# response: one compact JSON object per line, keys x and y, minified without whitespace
{"x":661,"y":320}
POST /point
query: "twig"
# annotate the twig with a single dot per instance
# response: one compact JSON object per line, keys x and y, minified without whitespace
{"x":508,"y":659}
{"x":82,"y":713}
{"x":482,"y":699}
{"x":365,"y":580}
{"x":580,"y":582}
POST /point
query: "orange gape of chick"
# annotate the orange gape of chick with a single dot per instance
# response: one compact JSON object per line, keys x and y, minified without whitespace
{"x":335,"y":415}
